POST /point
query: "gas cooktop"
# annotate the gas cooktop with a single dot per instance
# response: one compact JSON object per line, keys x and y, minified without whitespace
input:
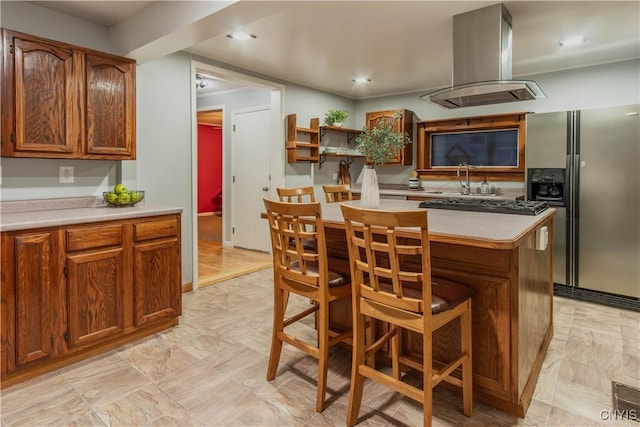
{"x":518,"y":207}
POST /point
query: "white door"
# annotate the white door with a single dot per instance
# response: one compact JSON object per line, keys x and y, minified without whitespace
{"x":251,"y":143}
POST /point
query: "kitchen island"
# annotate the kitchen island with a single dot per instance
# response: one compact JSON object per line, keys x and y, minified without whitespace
{"x":504,"y":259}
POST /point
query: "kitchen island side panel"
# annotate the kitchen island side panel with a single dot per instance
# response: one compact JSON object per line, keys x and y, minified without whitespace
{"x":534,"y":305}
{"x":511,"y":309}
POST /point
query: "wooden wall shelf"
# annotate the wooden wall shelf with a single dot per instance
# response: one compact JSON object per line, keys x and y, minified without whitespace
{"x":351,"y":134}
{"x":303,"y":151}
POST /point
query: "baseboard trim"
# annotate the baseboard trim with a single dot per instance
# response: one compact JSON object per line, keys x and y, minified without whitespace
{"x":597,"y":297}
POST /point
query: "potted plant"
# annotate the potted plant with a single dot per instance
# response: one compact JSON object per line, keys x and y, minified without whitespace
{"x":336,"y":117}
{"x":379,"y":144}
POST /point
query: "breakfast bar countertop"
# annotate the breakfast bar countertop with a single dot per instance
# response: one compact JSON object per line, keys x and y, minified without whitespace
{"x":23,"y":215}
{"x":480,"y":229}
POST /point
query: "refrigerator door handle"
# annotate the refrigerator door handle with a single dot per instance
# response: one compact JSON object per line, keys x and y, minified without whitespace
{"x":574,"y":216}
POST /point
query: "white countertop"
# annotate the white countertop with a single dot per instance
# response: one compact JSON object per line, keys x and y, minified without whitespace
{"x":22,"y":220}
{"x":484,"y":229}
{"x":443,"y":192}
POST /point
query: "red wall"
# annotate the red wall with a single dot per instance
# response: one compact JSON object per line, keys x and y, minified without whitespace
{"x":209,"y":169}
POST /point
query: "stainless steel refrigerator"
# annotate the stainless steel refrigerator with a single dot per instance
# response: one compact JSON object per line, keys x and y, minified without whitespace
{"x":597,"y":227}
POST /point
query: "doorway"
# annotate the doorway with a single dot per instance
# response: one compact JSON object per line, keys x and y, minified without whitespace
{"x":216,"y":257}
{"x":210,"y":175}
{"x":216,"y":261}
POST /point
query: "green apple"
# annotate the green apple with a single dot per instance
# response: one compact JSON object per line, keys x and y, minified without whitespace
{"x":124,"y":199}
{"x":120,"y":189}
{"x":136,"y":196}
{"x":111,"y":197}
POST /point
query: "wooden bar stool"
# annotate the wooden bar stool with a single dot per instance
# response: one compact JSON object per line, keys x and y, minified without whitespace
{"x":337,"y":193}
{"x":303,"y":270}
{"x":392,"y":283}
{"x":296,"y":194}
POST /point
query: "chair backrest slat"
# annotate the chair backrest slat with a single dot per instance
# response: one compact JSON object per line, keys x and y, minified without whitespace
{"x":390,"y":265}
{"x":296,"y":195}
{"x":337,"y":193}
{"x":298,"y":241}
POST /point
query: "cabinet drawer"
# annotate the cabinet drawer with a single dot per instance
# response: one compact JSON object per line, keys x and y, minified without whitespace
{"x":81,"y":238}
{"x":155,"y":229}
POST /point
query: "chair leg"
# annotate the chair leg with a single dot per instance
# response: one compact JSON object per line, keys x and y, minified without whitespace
{"x":467,"y":374}
{"x":357,"y":380}
{"x":427,"y":406}
{"x":395,"y":352}
{"x":323,"y":356}
{"x":427,"y":378}
{"x":279,"y":304}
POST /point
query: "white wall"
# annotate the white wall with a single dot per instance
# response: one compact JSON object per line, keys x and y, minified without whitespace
{"x":163,"y":165}
{"x":306,"y":104}
{"x":29,"y":18}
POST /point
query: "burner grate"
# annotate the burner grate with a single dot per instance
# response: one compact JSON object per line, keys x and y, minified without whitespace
{"x":518,"y":207}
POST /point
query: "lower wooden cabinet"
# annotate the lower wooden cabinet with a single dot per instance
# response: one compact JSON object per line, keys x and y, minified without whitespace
{"x":76,"y":289}
{"x":96,"y":272}
{"x":155,"y":268}
{"x":28,"y":289}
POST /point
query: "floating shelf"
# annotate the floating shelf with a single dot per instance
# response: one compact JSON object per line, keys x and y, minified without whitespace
{"x":351,"y":135}
{"x":350,"y":158}
{"x":303,"y":151}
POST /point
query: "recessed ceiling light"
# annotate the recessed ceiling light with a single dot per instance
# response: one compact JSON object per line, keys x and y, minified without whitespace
{"x":361,"y":80}
{"x":572,"y":41}
{"x":241,"y":35}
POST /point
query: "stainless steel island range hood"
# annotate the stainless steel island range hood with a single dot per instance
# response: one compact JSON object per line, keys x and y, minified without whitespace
{"x":482,"y":62}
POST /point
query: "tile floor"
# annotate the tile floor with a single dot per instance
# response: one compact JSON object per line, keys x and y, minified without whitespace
{"x":210,"y":370}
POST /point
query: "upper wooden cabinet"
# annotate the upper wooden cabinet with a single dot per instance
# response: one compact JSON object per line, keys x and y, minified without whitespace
{"x":110,"y":110}
{"x":404,"y":125}
{"x":65,"y":101}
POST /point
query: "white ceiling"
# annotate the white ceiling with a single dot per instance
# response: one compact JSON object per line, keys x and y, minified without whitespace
{"x":402,"y":46}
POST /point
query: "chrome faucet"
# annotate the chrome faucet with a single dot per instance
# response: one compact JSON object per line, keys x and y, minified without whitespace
{"x":466,"y":188}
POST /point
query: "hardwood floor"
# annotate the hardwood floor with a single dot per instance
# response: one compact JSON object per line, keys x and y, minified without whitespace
{"x":217,"y":263}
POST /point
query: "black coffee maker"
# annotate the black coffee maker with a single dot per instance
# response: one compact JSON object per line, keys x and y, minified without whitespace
{"x":546,"y":184}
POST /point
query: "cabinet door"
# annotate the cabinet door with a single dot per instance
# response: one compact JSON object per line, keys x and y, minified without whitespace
{"x":40,"y":113}
{"x":404,"y":125}
{"x":157,"y":278}
{"x":7,"y":305}
{"x":96,"y":296}
{"x":32,"y":295}
{"x":110,"y":117}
